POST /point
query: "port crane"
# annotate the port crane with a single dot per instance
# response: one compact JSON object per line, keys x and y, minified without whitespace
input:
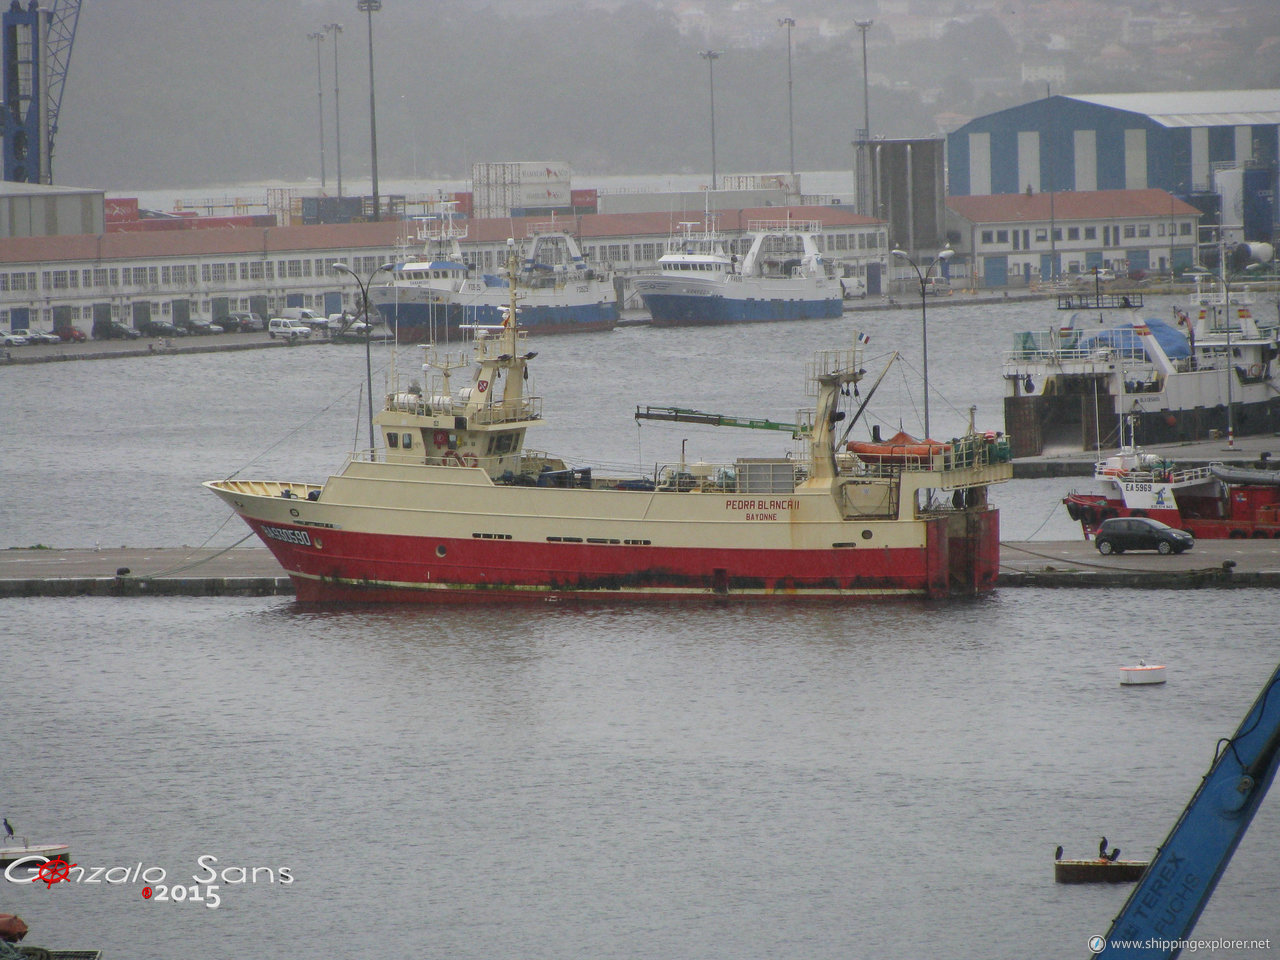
{"x":797,"y":430}
{"x":1166,"y":902}
{"x":35,"y":56}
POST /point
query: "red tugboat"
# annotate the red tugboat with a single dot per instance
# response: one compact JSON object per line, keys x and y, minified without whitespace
{"x":1212,"y":502}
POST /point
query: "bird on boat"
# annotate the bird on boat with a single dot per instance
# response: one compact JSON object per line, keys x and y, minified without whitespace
{"x":1102,"y":848}
{"x":1114,"y":855}
{"x":1057,"y":854}
{"x":8,"y":828}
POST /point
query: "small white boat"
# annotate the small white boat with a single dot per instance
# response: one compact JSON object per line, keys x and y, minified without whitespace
{"x":18,"y":849}
{"x":1142,"y":673}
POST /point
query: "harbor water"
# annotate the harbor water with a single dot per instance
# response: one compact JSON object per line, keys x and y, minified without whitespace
{"x":551,"y":780}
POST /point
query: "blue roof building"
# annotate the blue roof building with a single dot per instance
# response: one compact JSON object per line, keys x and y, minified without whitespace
{"x":1181,"y":142}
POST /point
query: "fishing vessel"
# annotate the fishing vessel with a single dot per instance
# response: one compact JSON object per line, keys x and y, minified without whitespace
{"x":453,"y":505}
{"x":436,"y":294}
{"x":782,"y":276}
{"x":1071,"y":387}
{"x":1210,"y":501}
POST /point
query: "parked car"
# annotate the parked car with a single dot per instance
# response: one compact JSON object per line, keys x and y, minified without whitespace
{"x":853,"y":288}
{"x":201,"y":327}
{"x":115,"y":330}
{"x":72,"y":335}
{"x":1118,"y":534}
{"x":15,"y":338}
{"x":163,"y":328}
{"x":241,"y":322}
{"x":42,"y":336}
{"x":937,"y":286}
{"x":306,"y":317}
{"x":288,"y":329}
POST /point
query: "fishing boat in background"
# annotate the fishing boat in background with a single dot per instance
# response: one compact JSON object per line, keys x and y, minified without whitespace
{"x":435,"y":295}
{"x":782,"y":276}
{"x":1070,"y":388}
{"x":1211,"y":502}
{"x":454,"y":506}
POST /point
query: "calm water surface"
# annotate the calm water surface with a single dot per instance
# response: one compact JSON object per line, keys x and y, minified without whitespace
{"x":549,"y":781}
{"x":553,"y":781}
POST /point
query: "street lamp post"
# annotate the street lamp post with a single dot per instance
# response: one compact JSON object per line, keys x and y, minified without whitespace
{"x":371,"y":7}
{"x":368,"y":360}
{"x":318,"y":37}
{"x":946,"y":253}
{"x":790,"y":22}
{"x":335,"y":29}
{"x":862,"y":175}
{"x":711,"y":56}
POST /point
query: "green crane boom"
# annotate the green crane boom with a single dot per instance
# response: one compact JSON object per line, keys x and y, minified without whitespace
{"x":681,"y":415}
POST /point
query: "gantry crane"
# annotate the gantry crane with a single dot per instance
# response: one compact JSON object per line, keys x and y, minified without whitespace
{"x":35,"y":55}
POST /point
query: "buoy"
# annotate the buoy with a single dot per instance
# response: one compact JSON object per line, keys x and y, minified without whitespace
{"x":1143,"y":673}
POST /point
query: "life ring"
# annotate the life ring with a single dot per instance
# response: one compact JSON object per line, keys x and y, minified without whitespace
{"x":460,"y":459}
{"x":441,"y":438}
{"x":1255,"y":370}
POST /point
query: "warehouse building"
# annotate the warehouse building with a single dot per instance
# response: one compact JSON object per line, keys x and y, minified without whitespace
{"x":1198,"y":145}
{"x":1020,"y":239}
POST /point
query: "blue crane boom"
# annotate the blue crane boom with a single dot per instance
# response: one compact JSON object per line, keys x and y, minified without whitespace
{"x":1164,"y":906}
{"x":62,"y":34}
{"x":35,"y":54}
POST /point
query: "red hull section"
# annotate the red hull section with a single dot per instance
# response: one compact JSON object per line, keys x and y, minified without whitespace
{"x":1247,"y":524}
{"x":330,"y":565}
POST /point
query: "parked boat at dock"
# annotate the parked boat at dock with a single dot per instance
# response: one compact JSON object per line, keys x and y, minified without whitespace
{"x":1070,"y":387}
{"x":436,"y":294}
{"x":454,"y":506}
{"x":782,"y":276}
{"x":1211,"y":502}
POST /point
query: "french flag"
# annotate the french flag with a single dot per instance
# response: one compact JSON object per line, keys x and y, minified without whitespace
{"x":863,"y":339}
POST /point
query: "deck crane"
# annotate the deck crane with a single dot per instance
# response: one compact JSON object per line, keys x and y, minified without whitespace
{"x":797,"y":430}
{"x":1164,"y":906}
{"x":35,"y":55}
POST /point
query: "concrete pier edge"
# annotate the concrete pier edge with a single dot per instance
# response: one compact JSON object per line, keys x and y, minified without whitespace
{"x":254,"y":572}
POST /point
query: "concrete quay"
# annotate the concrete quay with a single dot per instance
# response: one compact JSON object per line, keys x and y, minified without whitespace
{"x":253,"y":572}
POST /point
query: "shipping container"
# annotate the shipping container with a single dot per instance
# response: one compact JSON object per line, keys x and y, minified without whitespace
{"x":120,"y":209}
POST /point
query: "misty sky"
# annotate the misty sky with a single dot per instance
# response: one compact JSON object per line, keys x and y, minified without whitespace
{"x":207,"y":92}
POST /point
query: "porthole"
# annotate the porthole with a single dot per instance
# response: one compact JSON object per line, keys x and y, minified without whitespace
{"x":866,"y":534}
{"x":440,"y":550}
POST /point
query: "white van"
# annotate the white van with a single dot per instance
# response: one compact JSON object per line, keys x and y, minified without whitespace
{"x":306,"y":317}
{"x":289,"y":329}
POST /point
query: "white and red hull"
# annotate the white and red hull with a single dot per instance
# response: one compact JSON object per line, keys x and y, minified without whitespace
{"x":1192,"y":499}
{"x":452,"y":507}
{"x":536,"y":543}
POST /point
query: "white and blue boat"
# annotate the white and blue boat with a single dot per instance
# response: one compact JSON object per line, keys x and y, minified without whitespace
{"x":431,"y":298}
{"x":782,"y":276}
